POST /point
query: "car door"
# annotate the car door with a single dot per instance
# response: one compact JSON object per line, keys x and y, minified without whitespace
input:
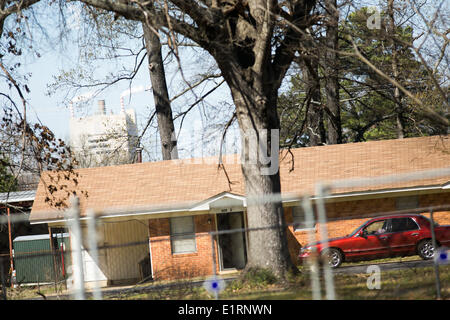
{"x":404,"y":235}
{"x":373,"y":243}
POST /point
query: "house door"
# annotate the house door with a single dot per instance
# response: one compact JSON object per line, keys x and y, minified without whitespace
{"x":232,"y":248}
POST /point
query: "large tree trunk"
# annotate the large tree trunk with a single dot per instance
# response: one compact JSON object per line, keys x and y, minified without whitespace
{"x":257,"y":115}
{"x":160,"y":95}
{"x":331,"y":68}
{"x":255,"y":97}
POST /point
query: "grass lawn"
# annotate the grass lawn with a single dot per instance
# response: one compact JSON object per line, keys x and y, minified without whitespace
{"x":405,"y":284}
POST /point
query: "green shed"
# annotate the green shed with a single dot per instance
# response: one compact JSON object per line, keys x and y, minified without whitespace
{"x":34,"y":261}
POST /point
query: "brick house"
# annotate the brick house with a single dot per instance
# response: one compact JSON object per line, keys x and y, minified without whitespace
{"x":170,"y":207}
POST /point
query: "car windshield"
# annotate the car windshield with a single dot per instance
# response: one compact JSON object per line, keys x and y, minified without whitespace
{"x":356,"y":230}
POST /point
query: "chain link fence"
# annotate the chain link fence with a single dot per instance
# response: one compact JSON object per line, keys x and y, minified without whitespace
{"x":382,"y":245}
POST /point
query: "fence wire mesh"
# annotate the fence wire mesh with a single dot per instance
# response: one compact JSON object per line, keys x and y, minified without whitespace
{"x":207,"y":255}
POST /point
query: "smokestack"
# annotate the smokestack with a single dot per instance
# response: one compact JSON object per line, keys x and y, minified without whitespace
{"x":122,"y":105}
{"x":139,"y":155}
{"x":72,"y":114}
{"x":101,"y":107}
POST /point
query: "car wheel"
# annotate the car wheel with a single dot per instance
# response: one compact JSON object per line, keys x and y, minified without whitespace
{"x":425,"y":249}
{"x":333,"y":257}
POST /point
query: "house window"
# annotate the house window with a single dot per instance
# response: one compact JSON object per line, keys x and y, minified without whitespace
{"x":299,"y":220}
{"x":405,"y":203}
{"x":182,"y":234}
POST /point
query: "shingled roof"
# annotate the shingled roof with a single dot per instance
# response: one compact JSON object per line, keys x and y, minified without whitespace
{"x":184,"y":183}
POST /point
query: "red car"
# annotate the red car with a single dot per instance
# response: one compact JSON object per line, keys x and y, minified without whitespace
{"x":390,"y":236}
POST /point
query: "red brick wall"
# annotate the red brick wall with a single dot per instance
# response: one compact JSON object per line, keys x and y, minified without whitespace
{"x":441,"y":217}
{"x":185,"y":265}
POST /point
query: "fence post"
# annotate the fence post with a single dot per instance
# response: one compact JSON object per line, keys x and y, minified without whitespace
{"x":329,"y":283}
{"x":436,"y":266}
{"x":73,"y":221}
{"x":313,"y":265}
{"x":216,"y":294}
{"x":92,"y":234}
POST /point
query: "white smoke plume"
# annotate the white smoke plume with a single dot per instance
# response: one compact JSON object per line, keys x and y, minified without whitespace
{"x":137,"y":89}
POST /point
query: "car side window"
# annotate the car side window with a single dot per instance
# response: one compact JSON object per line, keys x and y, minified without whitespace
{"x":403,"y":224}
{"x":377,"y":227}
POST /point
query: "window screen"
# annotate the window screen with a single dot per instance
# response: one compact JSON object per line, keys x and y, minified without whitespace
{"x":299,"y":219}
{"x":182,"y":233}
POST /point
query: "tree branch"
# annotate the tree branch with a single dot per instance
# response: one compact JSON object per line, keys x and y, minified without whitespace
{"x":295,"y":30}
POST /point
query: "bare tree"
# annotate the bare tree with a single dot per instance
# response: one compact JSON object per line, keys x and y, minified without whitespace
{"x":112,"y":35}
{"x":253,"y":44}
{"x":31,"y":148}
{"x":160,"y":94}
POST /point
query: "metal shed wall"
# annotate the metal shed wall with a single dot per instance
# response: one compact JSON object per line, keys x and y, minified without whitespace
{"x":33,"y":259}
